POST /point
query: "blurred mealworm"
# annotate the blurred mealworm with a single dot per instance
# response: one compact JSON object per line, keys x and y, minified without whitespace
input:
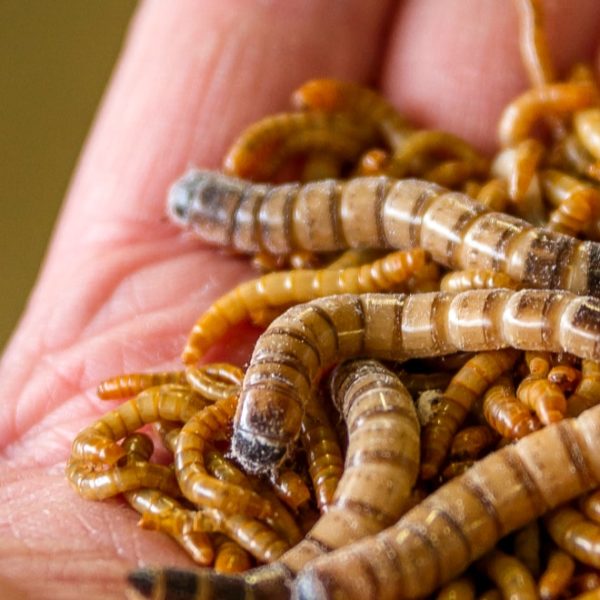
{"x":527,"y":547}
{"x":321,"y":165}
{"x":585,"y":582}
{"x":331,"y":215}
{"x":587,"y":127}
{"x":492,"y":594}
{"x":577,"y":204}
{"x":131,"y":384}
{"x":373,"y":162}
{"x":493,"y":195}
{"x":557,"y":576}
{"x":323,"y":452}
{"x":475,"y":279}
{"x":464,"y":389}
{"x":590,"y":506}
{"x":261,"y":149}
{"x":462,"y":588}
{"x":230,"y":557}
{"x":291,"y":489}
{"x":471,"y":442}
{"x":139,"y":447}
{"x":575,"y":534}
{"x":553,"y":99}
{"x":196,"y":484}
{"x":566,"y":377}
{"x":309,"y":338}
{"x":440,"y":537}
{"x":509,"y":574}
{"x":365,"y":105}
{"x":507,"y":415}
{"x":98,"y":442}
{"x":292,"y":287}
{"x":587,"y":393}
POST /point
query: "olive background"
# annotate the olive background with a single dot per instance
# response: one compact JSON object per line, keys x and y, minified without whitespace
{"x":56,"y":57}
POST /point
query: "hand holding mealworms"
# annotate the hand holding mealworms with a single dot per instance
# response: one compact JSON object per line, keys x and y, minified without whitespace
{"x":120,"y":286}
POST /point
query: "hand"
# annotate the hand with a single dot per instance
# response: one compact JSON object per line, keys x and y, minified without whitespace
{"x":121,"y":286}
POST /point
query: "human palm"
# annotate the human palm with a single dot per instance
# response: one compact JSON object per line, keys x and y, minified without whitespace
{"x":121,"y":286}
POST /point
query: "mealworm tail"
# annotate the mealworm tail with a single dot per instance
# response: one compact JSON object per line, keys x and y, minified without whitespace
{"x":268,"y":583}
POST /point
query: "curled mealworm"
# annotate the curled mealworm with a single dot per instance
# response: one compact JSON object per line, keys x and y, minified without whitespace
{"x":172,"y":402}
{"x":464,"y":389}
{"x":437,"y":539}
{"x":507,"y":415}
{"x":215,"y":381}
{"x":139,"y":447}
{"x":557,"y":576}
{"x":131,"y":384}
{"x":544,"y":397}
{"x":261,"y":150}
{"x":554,"y":99}
{"x":366,"y":106}
{"x":575,"y":534}
{"x":310,"y":337}
{"x":196,"y":484}
{"x":379,"y":212}
{"x":293,"y":287}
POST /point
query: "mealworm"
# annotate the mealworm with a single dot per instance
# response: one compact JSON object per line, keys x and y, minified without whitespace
{"x":575,"y":534}
{"x":263,"y":147}
{"x":590,"y":506}
{"x":553,"y":99}
{"x":565,"y":377}
{"x":97,"y":443}
{"x":475,"y":279}
{"x":544,"y":397}
{"x":365,"y":105}
{"x":464,"y":389}
{"x":587,"y":127}
{"x":291,"y":489}
{"x":215,"y":381}
{"x":139,"y":447}
{"x":462,"y":588}
{"x":527,"y":547}
{"x":332,"y":215}
{"x":131,"y":384}
{"x":493,"y":195}
{"x":195,"y":483}
{"x":507,"y":415}
{"x":471,"y":442}
{"x":436,"y":540}
{"x":293,"y":287}
{"x":230,"y":557}
{"x":587,"y":393}
{"x":373,"y":162}
{"x":555,"y":579}
{"x":323,"y":453}
{"x":308,"y":338}
{"x":509,"y":574}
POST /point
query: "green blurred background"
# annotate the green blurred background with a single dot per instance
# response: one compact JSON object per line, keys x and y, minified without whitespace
{"x":55,"y":59}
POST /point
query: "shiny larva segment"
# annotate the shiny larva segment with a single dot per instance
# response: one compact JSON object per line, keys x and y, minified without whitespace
{"x":475,"y":279}
{"x":131,"y":384}
{"x":230,"y":557}
{"x":308,"y":338}
{"x":293,"y":287}
{"x":98,"y":442}
{"x":381,"y":212}
{"x":575,"y":534}
{"x":507,"y":415}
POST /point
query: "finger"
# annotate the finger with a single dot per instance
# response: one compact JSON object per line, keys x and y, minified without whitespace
{"x":455,"y":65}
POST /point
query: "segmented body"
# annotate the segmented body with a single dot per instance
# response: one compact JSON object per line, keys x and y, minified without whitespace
{"x":475,"y":279}
{"x":308,"y":338}
{"x":465,"y":388}
{"x":507,"y":415}
{"x":293,"y":287}
{"x":230,"y":557}
{"x":131,"y":384}
{"x":196,"y":484}
{"x":98,"y":443}
{"x":381,"y":212}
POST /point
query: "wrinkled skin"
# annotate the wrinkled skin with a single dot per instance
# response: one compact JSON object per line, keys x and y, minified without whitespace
{"x":121,"y":286}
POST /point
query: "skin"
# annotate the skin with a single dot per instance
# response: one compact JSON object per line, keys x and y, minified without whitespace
{"x":190,"y":78}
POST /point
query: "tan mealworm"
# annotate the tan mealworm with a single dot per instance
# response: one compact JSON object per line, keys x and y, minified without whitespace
{"x":331,"y":215}
{"x":308,"y":338}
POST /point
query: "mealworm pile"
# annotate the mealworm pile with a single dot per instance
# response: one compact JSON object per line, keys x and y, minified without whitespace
{"x":421,"y":414}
